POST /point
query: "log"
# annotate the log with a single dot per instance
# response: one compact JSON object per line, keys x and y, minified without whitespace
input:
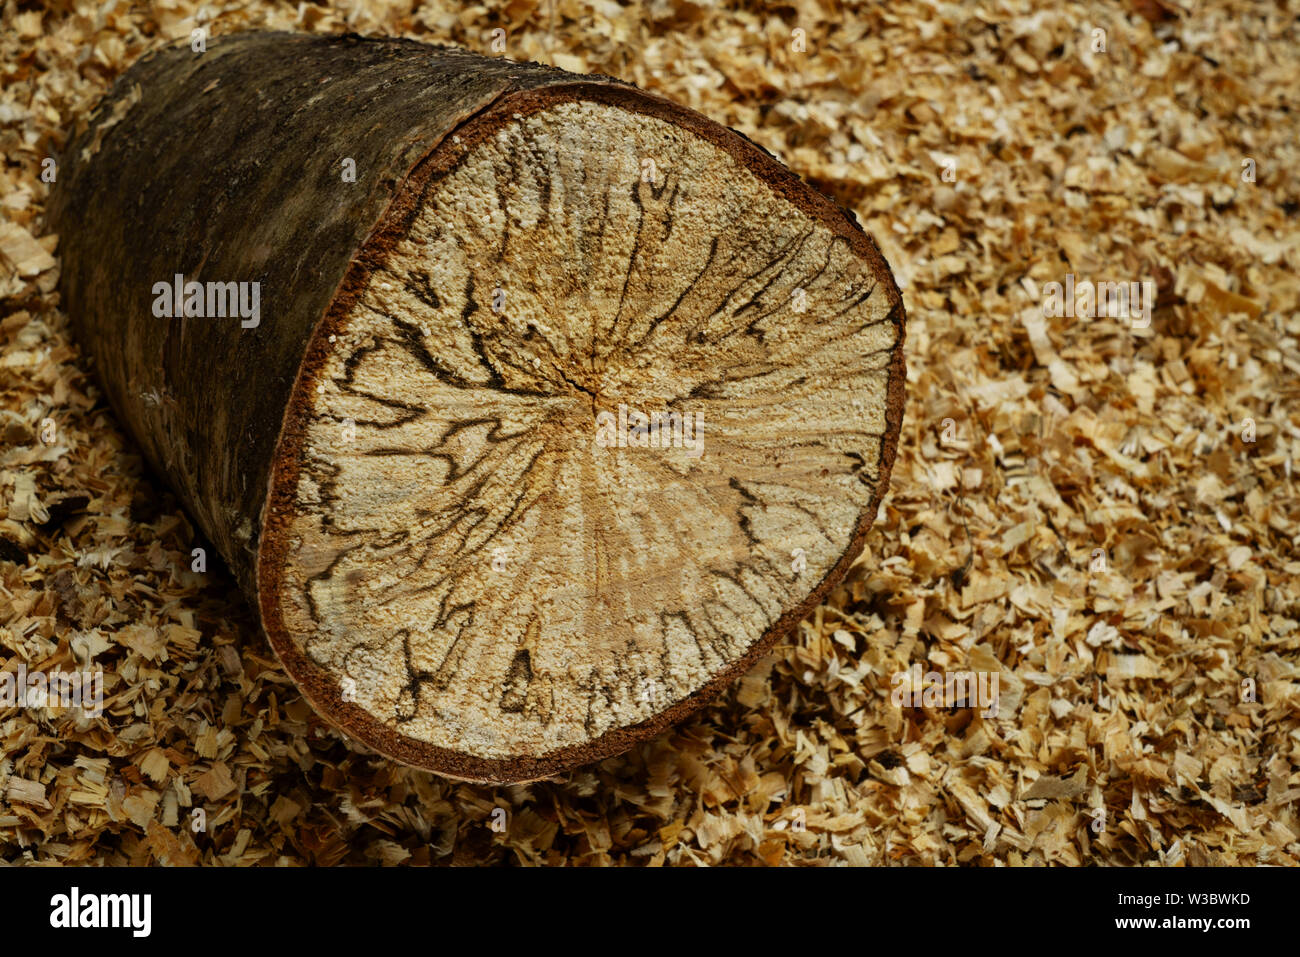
{"x":528,"y":409}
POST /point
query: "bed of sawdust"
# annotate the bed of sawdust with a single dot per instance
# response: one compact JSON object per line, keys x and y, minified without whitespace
{"x":1102,"y":514}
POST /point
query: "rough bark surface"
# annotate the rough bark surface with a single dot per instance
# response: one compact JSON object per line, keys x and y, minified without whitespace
{"x":225,"y":165}
{"x":402,"y":463}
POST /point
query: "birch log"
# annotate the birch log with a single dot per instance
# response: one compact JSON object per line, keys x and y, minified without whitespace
{"x":527,"y":408}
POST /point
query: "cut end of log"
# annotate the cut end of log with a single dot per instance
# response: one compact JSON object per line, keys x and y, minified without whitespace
{"x":603,"y":409}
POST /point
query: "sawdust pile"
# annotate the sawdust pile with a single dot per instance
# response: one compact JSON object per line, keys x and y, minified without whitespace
{"x":1103,"y":513}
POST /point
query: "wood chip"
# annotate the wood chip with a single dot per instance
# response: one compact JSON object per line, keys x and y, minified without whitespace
{"x":23,"y":254}
{"x":1107,"y":515}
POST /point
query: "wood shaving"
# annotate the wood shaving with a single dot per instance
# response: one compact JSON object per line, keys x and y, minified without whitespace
{"x":1102,"y":515}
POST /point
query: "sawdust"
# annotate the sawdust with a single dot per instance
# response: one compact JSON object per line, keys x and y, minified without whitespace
{"x":1101,"y":513}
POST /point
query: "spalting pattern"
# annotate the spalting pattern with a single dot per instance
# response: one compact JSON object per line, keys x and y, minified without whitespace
{"x":494,"y":581}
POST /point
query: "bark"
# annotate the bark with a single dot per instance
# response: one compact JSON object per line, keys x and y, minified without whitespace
{"x":401,"y":462}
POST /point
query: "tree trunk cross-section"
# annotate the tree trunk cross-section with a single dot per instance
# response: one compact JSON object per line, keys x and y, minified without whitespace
{"x":597,"y":402}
